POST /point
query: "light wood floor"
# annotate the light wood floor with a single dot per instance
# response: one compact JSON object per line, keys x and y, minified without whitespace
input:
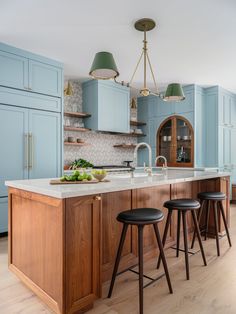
{"x":211,"y":289}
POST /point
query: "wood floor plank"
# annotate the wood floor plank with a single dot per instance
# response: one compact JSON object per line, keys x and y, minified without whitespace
{"x":211,"y":289}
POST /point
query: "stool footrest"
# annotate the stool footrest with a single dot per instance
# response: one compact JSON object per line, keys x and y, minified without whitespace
{"x":189,"y":251}
{"x":137,"y":273}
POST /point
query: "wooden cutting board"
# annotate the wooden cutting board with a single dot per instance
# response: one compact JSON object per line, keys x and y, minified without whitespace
{"x":58,"y":181}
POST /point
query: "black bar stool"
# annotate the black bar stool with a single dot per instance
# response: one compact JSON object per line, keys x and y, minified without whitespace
{"x":183,"y":206}
{"x":140,"y":217}
{"x":215,"y":199}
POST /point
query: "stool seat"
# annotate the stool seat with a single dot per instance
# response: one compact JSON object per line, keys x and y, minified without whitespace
{"x":141,"y":215}
{"x":218,"y":196}
{"x":183,"y":204}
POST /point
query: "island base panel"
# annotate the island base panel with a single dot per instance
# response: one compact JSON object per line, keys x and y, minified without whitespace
{"x":64,"y":249}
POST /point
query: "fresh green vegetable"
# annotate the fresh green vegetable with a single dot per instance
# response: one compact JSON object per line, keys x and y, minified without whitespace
{"x":77,"y":176}
{"x":80,"y":163}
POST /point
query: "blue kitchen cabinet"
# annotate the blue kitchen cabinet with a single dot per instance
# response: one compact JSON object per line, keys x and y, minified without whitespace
{"x":109,"y":105}
{"x":14,"y":70}
{"x":45,"y":78}
{"x":19,"y":98}
{"x":27,"y":71}
{"x":31,"y":102}
{"x":186,"y":105}
{"x":3,"y":214}
{"x":13,"y":142}
{"x":44,"y":144}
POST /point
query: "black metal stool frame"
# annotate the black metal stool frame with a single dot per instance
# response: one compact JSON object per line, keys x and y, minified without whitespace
{"x":217,"y":207}
{"x":140,"y":226}
{"x":183,"y":212}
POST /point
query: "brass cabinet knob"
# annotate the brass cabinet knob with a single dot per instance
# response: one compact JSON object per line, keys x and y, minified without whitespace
{"x":97,"y":198}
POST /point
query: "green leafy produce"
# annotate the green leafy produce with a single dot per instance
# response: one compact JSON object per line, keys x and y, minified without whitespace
{"x":80,"y":163}
{"x":77,"y":176}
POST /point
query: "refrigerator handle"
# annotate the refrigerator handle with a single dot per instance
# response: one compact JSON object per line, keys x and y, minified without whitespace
{"x":26,"y":151}
{"x":31,"y":150}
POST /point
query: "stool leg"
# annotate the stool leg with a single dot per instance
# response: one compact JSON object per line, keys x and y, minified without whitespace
{"x":207,"y":217}
{"x":165,"y":234}
{"x":216,"y":227}
{"x":199,"y":215}
{"x":118,"y":256}
{"x":140,"y":258}
{"x":185,"y":243}
{"x":162,"y":255}
{"x":178,"y":233}
{"x":198,"y":235}
{"x":225,"y":222}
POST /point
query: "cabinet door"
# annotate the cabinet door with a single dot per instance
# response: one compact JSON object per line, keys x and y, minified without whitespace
{"x":113,"y":108}
{"x":45,"y":78}
{"x":3,"y":214}
{"x":233,"y":111}
{"x":82,"y":252}
{"x":44,"y":144}
{"x":13,"y":143}
{"x":233,"y":148}
{"x":226,"y":103}
{"x":226,"y":147}
{"x":14,"y":70}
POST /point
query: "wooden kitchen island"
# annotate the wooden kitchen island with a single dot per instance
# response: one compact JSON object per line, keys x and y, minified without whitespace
{"x":63,"y":239}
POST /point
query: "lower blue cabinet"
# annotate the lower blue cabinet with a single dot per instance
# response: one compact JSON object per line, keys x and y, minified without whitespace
{"x":3,"y":214}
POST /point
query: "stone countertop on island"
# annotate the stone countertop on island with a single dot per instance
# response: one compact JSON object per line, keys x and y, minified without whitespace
{"x":42,"y":186}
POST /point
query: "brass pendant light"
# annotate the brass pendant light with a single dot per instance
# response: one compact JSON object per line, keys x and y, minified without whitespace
{"x":104,"y":67}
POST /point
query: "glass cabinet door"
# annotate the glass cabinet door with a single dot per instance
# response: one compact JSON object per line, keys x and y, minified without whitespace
{"x":165,"y":140}
{"x":175,"y":142}
{"x":184,"y":141}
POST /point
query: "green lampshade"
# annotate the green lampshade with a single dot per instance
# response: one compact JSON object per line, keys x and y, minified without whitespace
{"x":104,"y":66}
{"x":174,"y":92}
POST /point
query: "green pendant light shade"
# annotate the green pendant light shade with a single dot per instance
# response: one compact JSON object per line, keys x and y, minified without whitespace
{"x":174,"y":92}
{"x":104,"y":66}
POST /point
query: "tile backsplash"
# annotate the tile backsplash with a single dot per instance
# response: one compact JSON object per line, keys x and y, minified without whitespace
{"x":101,"y":150}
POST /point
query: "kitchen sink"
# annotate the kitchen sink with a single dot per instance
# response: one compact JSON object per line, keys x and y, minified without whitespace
{"x":135,"y":175}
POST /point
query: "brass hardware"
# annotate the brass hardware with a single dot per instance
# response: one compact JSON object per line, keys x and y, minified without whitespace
{"x":97,"y":198}
{"x":31,"y":156}
{"x":26,"y":151}
{"x":68,"y":91}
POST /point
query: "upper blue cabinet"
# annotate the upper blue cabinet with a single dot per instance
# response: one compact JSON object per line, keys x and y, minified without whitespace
{"x":14,"y":70}
{"x":109,"y":105}
{"x":29,"y":72}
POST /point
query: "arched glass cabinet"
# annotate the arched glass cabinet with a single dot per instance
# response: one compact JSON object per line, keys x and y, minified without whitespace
{"x":175,"y":141}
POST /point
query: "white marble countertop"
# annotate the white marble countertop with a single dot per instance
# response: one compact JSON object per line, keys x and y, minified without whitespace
{"x":117,"y":183}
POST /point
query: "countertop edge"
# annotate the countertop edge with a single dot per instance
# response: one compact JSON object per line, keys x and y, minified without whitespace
{"x":125,"y":185}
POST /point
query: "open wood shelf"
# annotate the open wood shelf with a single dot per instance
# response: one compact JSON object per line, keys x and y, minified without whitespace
{"x":77,"y":114}
{"x":123,"y":134}
{"x":76,"y":144}
{"x":125,"y":145}
{"x":137,"y":123}
{"x":72,"y":128}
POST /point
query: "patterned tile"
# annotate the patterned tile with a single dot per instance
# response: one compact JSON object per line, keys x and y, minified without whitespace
{"x":101,"y":150}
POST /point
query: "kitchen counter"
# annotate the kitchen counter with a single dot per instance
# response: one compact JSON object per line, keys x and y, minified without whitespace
{"x":63,"y":239}
{"x":117,"y":183}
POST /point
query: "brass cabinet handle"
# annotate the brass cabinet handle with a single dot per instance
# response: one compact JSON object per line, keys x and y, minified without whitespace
{"x":31,"y":148}
{"x":26,"y":151}
{"x":97,"y":198}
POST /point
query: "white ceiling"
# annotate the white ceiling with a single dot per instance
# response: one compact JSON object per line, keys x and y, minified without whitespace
{"x":195,"y":41}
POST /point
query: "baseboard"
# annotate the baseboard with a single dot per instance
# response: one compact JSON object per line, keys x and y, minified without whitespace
{"x":3,"y":234}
